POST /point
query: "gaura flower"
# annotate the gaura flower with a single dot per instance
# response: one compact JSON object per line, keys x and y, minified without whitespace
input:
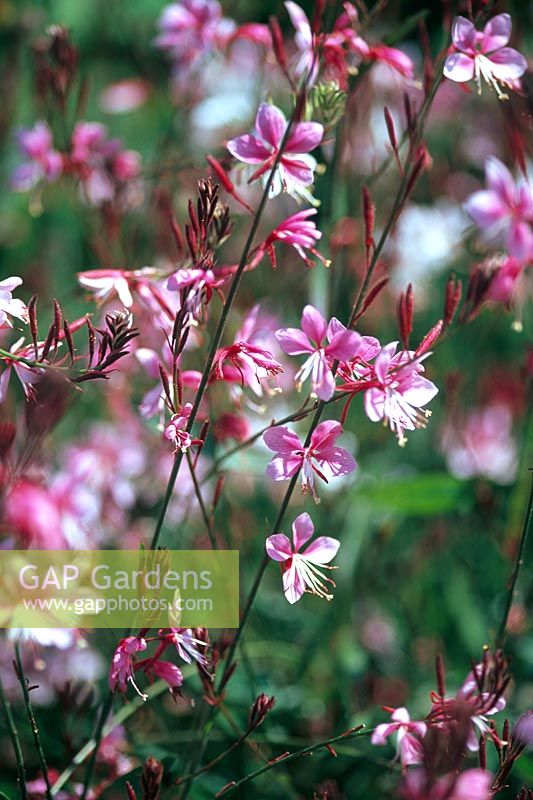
{"x":342,"y":346}
{"x":299,"y":569}
{"x":473,"y":784}
{"x":168,"y":672}
{"x":44,"y":163}
{"x":187,"y":645}
{"x":299,"y":232}
{"x":504,"y":210}
{"x":121,"y":671}
{"x":10,"y":306}
{"x":484,"y":55}
{"x":296,"y":167}
{"x":409,"y":734}
{"x":176,"y":430}
{"x":399,"y":391}
{"x":322,"y":457}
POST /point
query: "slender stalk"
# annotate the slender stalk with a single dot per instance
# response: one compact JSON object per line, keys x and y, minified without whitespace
{"x":198,"y":492}
{"x":105,"y":710}
{"x":284,"y":759}
{"x":33,"y":722}
{"x":214,"y":761}
{"x":519,"y":561}
{"x":15,"y":741}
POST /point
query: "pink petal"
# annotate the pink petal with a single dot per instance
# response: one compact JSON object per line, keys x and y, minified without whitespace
{"x":500,"y":180}
{"x":401,"y":715}
{"x":293,"y":341}
{"x":520,"y":240}
{"x":278,"y":547}
{"x":463,"y":34}
{"x":370,"y":347}
{"x":302,"y":530}
{"x":336,"y":461}
{"x":313,"y":324}
{"x":323,"y":382}
{"x":322,"y":550}
{"x":420,"y":392}
{"x":496,"y":33}
{"x":296,"y":170}
{"x":248,"y":148}
{"x":149,"y":360}
{"x":374,"y":402}
{"x":304,"y":137}
{"x":508,"y":64}
{"x":4,"y":383}
{"x":486,"y":208}
{"x":293,"y":584}
{"x":270,"y":124}
{"x":344,"y":345}
{"x":473,"y":784}
{"x":326,"y":434}
{"x":282,"y":440}
{"x":300,"y":21}
{"x":382,"y":732}
{"x":282,"y":468}
{"x":459,"y":67}
{"x":411,"y":750}
{"x":383,"y":361}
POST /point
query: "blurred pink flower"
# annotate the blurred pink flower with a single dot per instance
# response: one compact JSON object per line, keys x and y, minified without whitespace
{"x":121,"y":671}
{"x":342,"y":345}
{"x":190,"y":30}
{"x":504,"y":281}
{"x":296,"y":167}
{"x":473,"y":784}
{"x":299,"y":569}
{"x":504,"y":210}
{"x":399,"y":391}
{"x":31,"y":513}
{"x":482,"y":444}
{"x":44,"y":162}
{"x":123,"y":96}
{"x":10,"y":306}
{"x":408,"y":744}
{"x":322,"y":456}
{"x":484,"y":55}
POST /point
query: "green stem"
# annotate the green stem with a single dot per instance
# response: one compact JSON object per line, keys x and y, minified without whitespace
{"x":353,"y":734}
{"x":15,"y":741}
{"x":199,"y":497}
{"x":105,"y":710}
{"x":33,"y":722}
{"x":519,"y":561}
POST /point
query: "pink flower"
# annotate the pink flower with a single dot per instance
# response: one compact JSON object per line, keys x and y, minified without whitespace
{"x":121,"y":671}
{"x":168,"y":672}
{"x":297,"y":231}
{"x":196,"y":287}
{"x":296,"y":167}
{"x":176,"y":431}
{"x":504,"y":210}
{"x":187,"y":645}
{"x":26,"y":375}
{"x":408,"y":744}
{"x":248,"y":364}
{"x":10,"y":306}
{"x":123,"y":96}
{"x":504,"y":281}
{"x":342,"y":346}
{"x":399,"y":391}
{"x":482,"y":444}
{"x":299,"y":570}
{"x":473,"y":784}
{"x":44,"y":162}
{"x":190,"y":30}
{"x":484,"y":55}
{"x":30,"y":511}
{"x":322,"y":456}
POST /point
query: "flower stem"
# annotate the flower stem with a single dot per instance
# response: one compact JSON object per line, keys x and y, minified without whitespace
{"x":511,"y":593}
{"x":15,"y":741}
{"x":33,"y":722}
{"x":284,"y":759}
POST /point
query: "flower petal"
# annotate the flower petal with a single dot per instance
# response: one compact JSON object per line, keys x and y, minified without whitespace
{"x":302,"y":530}
{"x":322,"y":550}
{"x":282,"y":468}
{"x":463,"y":34}
{"x":293,"y":584}
{"x":520,"y":240}
{"x":486,"y":208}
{"x":293,"y":341}
{"x":249,"y":148}
{"x":508,"y":64}
{"x":313,"y":324}
{"x":459,"y":67}
{"x":304,"y":136}
{"x":278,"y":547}
{"x":282,"y":440}
{"x":496,"y":33}
{"x":270,"y":124}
